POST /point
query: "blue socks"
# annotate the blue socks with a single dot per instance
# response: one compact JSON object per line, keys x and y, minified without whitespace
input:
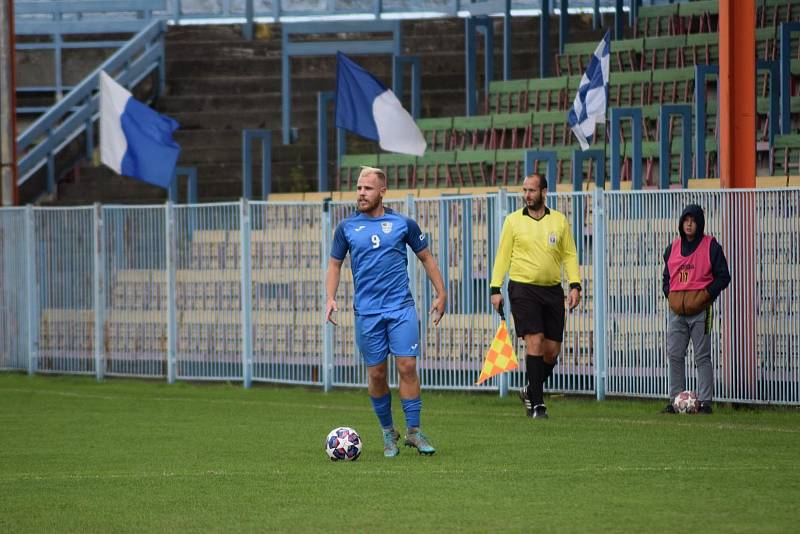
{"x":412,"y":407}
{"x":383,"y":409}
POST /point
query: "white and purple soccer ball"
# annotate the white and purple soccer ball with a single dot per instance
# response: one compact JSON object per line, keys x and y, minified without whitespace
{"x":686,"y":402}
{"x":344,"y":444}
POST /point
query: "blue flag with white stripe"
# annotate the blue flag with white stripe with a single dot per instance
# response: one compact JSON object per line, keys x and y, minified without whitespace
{"x":591,"y":101}
{"x":135,"y":140}
{"x":366,"y":107}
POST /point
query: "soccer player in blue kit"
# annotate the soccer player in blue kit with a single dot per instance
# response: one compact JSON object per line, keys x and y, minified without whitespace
{"x":385,"y":314}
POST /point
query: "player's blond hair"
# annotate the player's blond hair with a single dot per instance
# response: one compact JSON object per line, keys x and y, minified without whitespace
{"x":365,"y":170}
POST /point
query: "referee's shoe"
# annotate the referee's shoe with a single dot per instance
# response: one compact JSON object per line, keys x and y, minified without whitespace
{"x":537,"y":412}
{"x":523,"y":396}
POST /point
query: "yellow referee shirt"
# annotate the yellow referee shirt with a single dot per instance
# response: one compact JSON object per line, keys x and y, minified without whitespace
{"x":532,"y":251}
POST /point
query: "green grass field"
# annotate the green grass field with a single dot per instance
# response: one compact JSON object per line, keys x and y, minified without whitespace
{"x":138,"y":456}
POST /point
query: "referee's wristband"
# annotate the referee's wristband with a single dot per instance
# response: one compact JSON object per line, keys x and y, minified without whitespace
{"x":494,"y":290}
{"x":575,"y":285}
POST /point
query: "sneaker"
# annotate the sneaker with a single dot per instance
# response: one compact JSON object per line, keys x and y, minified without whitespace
{"x":523,"y":396}
{"x":540,"y":411}
{"x":705,"y":407}
{"x":669,"y":408}
{"x":420,"y":441}
{"x":390,"y":439}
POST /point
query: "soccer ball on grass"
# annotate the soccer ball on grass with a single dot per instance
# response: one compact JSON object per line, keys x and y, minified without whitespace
{"x":343,"y":443}
{"x":686,"y":402}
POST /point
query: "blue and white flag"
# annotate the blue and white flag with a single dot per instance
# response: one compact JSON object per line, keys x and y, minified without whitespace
{"x":135,"y":140}
{"x":366,"y":107}
{"x":592,"y":98}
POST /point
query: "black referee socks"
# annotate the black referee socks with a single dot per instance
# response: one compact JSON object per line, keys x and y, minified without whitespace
{"x":535,"y":372}
{"x":548,"y":370}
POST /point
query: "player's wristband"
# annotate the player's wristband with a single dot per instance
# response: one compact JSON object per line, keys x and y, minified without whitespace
{"x":494,"y":290}
{"x":575,"y":285}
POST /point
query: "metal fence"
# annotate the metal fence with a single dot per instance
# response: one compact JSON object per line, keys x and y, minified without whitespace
{"x":236,"y":292}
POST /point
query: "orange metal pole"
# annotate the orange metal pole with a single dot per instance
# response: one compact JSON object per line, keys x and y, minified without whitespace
{"x":737,"y":158}
{"x":737,"y":93}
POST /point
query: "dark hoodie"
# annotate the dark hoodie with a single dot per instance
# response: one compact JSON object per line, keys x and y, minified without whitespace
{"x":693,"y":302}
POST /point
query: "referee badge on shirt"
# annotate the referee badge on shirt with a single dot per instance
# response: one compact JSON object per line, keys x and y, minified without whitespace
{"x":552,"y":239}
{"x":386,"y":227}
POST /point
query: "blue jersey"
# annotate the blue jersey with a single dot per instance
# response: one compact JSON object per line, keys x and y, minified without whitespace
{"x":377,"y":247}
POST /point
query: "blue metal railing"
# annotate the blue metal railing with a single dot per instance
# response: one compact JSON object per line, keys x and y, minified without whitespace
{"x":75,"y":114}
{"x":68,"y":18}
{"x":235,"y":291}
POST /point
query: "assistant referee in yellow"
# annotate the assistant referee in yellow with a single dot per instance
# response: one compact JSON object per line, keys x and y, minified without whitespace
{"x":534,"y":243}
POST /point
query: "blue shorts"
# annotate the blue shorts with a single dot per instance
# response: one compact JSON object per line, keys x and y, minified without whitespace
{"x":395,"y":331}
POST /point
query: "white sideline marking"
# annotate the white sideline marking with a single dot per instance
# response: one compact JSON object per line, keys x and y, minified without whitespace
{"x":660,"y":420}
{"x":213,"y":473}
{"x":184,"y":399}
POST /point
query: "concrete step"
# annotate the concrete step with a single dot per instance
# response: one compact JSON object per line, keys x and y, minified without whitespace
{"x":101,"y":184}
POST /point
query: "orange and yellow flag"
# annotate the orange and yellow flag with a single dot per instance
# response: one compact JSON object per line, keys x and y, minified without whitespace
{"x":501,"y":356}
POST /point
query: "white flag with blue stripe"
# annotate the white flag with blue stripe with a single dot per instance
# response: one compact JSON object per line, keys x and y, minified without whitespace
{"x":366,"y":107}
{"x":591,"y":101}
{"x":135,"y":140}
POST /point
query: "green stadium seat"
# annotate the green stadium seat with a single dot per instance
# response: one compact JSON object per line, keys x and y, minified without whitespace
{"x":629,"y":88}
{"x":549,"y":128}
{"x":471,"y":133}
{"x":548,"y":94}
{"x":436,"y":131}
{"x":698,"y":17}
{"x":349,"y":168}
{"x":773,"y":12}
{"x":511,"y":130}
{"x":575,"y":58}
{"x":433,"y":170}
{"x":663,"y":52}
{"x":673,"y":85}
{"x":508,"y":96}
{"x":473,"y":168}
{"x":767,"y":46}
{"x":784,"y":157}
{"x":700,"y":49}
{"x":509,"y":166}
{"x":657,"y":20}
{"x":625,"y":55}
{"x":399,"y":169}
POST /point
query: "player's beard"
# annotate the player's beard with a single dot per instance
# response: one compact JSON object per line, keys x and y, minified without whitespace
{"x":536,"y":205}
{"x":366,"y":205}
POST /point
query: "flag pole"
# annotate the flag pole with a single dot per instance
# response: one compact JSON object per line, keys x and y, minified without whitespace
{"x":606,"y":125}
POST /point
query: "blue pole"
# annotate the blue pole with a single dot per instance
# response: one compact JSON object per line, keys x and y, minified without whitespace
{"x":322,"y":140}
{"x":786,"y":33}
{"x":246,"y":292}
{"x":469,"y":53}
{"x":507,"y":41}
{"x":599,"y":283}
{"x":544,"y":40}
{"x":563,"y":26}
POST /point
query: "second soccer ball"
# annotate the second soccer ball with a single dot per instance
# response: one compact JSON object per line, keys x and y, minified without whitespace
{"x":686,"y":402}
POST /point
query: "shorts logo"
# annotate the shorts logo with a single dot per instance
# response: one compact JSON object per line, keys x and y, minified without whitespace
{"x":552,"y":239}
{"x":414,"y":346}
{"x":386,"y":227}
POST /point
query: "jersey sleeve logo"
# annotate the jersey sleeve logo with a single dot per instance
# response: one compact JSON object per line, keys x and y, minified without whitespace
{"x":359,"y":228}
{"x":386,"y":227}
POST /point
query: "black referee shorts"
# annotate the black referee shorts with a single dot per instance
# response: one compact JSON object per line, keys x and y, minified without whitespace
{"x":537,"y":310}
